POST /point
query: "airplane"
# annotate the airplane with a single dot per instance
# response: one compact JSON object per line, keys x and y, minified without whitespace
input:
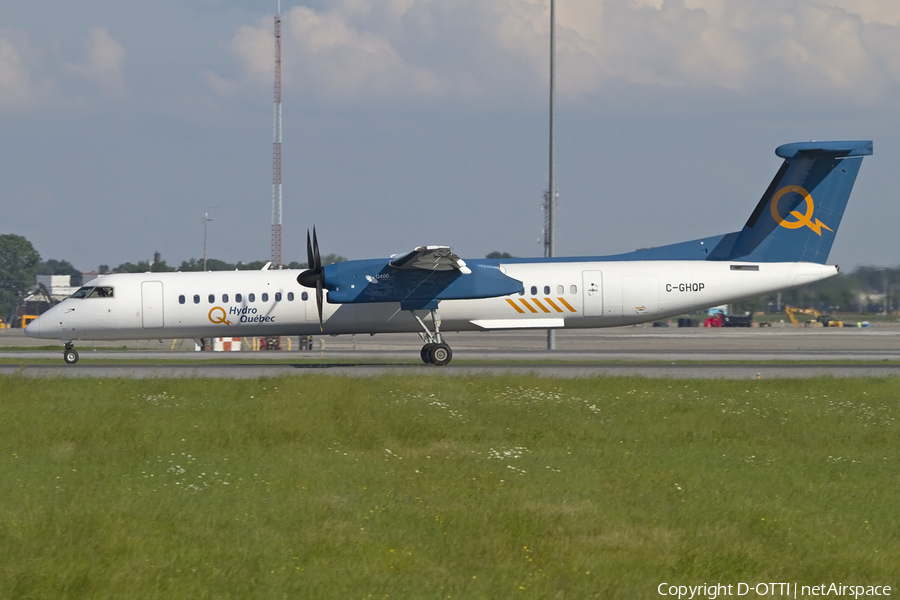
{"x":431,"y":290}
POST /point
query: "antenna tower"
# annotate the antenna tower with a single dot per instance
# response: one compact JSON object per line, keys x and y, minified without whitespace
{"x":276,"y":150}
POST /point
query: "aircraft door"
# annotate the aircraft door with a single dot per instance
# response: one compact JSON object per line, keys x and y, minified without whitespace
{"x":640,"y":295}
{"x":152,"y":304}
{"x":592,"y":284}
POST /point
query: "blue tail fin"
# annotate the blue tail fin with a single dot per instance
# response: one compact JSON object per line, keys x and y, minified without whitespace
{"x":798,"y":216}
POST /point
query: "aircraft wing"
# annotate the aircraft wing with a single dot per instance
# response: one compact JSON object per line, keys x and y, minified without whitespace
{"x":431,"y":258}
{"x":417,"y":280}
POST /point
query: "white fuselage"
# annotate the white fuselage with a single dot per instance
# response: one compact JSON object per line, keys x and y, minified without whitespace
{"x":557,"y":295}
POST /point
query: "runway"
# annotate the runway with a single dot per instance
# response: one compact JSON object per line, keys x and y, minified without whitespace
{"x":634,"y":351}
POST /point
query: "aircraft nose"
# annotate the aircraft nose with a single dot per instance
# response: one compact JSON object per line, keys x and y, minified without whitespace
{"x":33,"y":329}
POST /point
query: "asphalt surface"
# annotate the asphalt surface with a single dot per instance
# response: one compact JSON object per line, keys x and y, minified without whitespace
{"x":763,"y":353}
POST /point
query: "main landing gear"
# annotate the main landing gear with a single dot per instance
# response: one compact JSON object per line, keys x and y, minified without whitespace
{"x":435,"y":351}
{"x":70,"y":355}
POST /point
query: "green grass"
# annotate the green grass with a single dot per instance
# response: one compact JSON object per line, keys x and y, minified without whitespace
{"x":423,"y":487}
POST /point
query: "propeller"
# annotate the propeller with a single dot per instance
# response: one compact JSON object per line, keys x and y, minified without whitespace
{"x":314,"y":276}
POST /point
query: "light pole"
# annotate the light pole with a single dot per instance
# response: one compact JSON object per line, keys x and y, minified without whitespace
{"x":550,"y":246}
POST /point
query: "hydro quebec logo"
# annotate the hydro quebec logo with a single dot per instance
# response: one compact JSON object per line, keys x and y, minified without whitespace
{"x":245,"y":314}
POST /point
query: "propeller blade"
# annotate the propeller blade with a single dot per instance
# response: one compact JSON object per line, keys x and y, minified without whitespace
{"x":316,"y":250}
{"x":314,"y":275}
{"x":319,"y":302}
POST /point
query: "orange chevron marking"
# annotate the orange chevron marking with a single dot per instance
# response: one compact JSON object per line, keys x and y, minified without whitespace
{"x":541,"y":306}
{"x":528,"y":306}
{"x":550,"y":302}
{"x":513,"y":304}
{"x":567,"y":305}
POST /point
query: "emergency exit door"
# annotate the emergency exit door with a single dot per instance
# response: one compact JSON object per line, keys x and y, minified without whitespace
{"x":152,"y":304}
{"x":592,"y":286}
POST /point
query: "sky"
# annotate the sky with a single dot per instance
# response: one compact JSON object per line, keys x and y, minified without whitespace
{"x":414,"y":122}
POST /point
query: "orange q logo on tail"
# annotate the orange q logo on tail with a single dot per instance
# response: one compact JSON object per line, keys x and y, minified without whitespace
{"x":803,"y":219}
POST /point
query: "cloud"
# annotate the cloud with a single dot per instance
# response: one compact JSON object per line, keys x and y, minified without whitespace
{"x":220,"y":85}
{"x":16,"y":87}
{"x":330,"y":55}
{"x":104,"y":61}
{"x":476,"y":51}
{"x":345,"y":60}
{"x":20,"y":88}
{"x":870,"y":11}
{"x":36,"y":75}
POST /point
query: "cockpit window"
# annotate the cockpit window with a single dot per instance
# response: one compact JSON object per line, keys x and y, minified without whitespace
{"x":82,"y":292}
{"x":101,"y":292}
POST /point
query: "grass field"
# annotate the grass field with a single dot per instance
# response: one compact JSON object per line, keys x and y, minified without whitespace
{"x":407,"y":487}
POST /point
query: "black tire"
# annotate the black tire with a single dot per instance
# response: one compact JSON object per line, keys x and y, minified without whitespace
{"x":440,"y":354}
{"x":426,"y":353}
{"x":70,"y":356}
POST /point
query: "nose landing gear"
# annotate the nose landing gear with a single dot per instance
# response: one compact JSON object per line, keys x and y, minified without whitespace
{"x":70,"y":355}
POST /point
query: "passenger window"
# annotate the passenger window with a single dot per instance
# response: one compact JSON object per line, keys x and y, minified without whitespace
{"x":251,"y":297}
{"x":212,"y":298}
{"x":290,"y":296}
{"x":560,"y":290}
{"x":304,"y":296}
{"x":534,"y":290}
{"x":546,"y":290}
{"x":265,"y":297}
{"x":574,"y":289}
{"x":277,"y":296}
{"x":238,"y":297}
{"x":224,"y":298}
{"x":196,"y":298}
{"x":181,"y":299}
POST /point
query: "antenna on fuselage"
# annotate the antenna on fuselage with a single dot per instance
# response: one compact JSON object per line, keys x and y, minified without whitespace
{"x":206,"y":220}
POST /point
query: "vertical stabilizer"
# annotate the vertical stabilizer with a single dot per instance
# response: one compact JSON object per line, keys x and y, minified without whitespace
{"x":799,"y":214}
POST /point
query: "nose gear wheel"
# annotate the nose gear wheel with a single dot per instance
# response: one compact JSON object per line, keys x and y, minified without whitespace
{"x":70,"y":355}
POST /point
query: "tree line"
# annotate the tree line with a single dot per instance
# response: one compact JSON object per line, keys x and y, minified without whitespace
{"x":865,"y":290}
{"x":212,"y":264}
